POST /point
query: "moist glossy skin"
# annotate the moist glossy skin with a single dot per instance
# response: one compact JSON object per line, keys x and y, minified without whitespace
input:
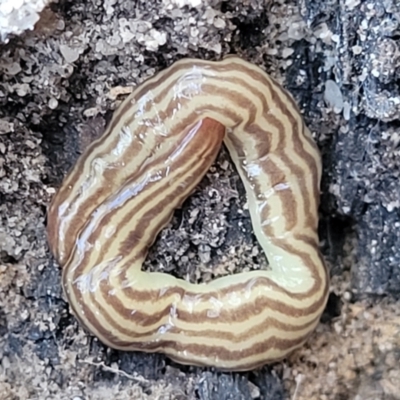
{"x":124,"y":189}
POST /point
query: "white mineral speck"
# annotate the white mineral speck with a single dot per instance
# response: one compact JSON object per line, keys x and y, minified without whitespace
{"x":16,"y":16}
{"x":70,"y":55}
{"x":333,"y":96}
{"x":53,"y":103}
{"x":219,"y":23}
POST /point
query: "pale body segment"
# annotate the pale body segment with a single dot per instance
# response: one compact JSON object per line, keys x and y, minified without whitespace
{"x":125,"y":187}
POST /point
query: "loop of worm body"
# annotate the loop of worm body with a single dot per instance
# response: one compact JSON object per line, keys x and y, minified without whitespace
{"x":124,"y":189}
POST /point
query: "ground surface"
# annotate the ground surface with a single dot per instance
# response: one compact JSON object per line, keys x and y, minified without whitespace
{"x":58,"y":87}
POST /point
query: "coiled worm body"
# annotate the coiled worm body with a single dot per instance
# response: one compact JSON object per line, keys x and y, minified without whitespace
{"x":123,"y":191}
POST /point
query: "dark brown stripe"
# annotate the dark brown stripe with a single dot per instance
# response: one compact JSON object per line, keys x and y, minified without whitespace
{"x":172,"y":349}
{"x":298,"y":148}
{"x":315,"y":273}
{"x":154,"y":83}
{"x":287,"y":198}
{"x":208,"y":351}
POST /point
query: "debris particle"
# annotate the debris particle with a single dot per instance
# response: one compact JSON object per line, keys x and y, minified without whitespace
{"x":333,"y":96}
{"x":18,"y":16}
